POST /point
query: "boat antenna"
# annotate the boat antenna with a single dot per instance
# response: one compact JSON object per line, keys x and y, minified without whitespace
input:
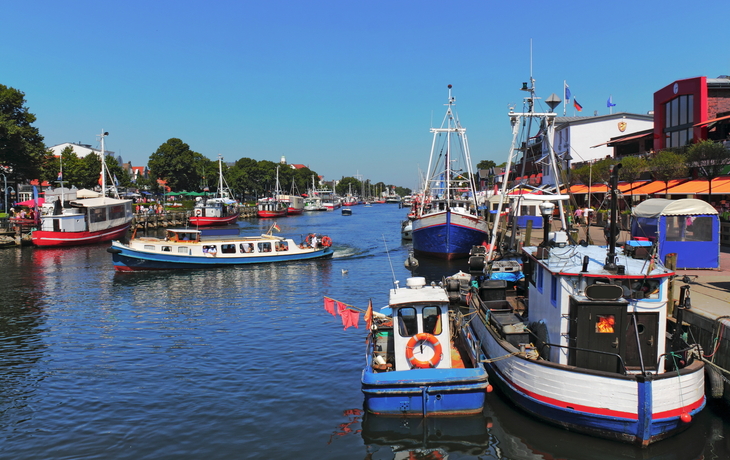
{"x":395,"y":282}
{"x":611,"y":256}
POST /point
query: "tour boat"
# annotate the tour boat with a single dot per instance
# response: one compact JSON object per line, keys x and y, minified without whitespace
{"x":220,"y":210}
{"x":185,"y":249}
{"x":86,"y":220}
{"x":591,"y":347}
{"x":447,"y":223}
{"x":421,"y":358}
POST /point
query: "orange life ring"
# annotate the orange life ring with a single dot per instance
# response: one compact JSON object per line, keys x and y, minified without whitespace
{"x":308,"y":239}
{"x":326,"y":241}
{"x":198,"y":212}
{"x":435,"y":359}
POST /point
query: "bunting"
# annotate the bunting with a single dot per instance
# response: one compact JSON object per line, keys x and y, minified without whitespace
{"x":350,"y":318}
{"x":577,"y":106}
{"x":369,"y":315}
{"x":329,"y":306}
{"x":350,"y":315}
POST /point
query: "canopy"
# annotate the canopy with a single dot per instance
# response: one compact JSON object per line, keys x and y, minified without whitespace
{"x":85,"y":193}
{"x":31,"y":202}
{"x":662,"y":207}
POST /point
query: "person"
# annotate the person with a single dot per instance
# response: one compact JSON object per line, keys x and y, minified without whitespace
{"x":314,"y":241}
{"x":578,"y":216}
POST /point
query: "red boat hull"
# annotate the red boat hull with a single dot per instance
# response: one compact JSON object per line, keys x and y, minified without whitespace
{"x":49,"y":239}
{"x":281,"y":213}
{"x":202,"y":221}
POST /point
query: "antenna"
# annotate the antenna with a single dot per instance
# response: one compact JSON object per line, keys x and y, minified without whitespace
{"x":395,"y":282}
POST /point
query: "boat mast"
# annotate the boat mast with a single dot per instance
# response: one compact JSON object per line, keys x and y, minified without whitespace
{"x":103,"y":164}
{"x":220,"y":176}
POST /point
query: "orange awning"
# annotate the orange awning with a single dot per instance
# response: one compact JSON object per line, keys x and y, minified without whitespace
{"x":656,"y":186}
{"x":692,"y":187}
{"x":706,"y":122}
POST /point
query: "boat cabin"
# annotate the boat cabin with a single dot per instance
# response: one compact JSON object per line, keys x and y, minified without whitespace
{"x":90,"y":214}
{"x":421,"y":331}
{"x":213,"y":207}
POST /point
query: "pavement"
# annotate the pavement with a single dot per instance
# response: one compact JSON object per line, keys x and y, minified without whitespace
{"x":709,"y":289}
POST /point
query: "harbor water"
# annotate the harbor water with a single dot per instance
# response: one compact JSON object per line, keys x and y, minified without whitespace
{"x":242,"y":362}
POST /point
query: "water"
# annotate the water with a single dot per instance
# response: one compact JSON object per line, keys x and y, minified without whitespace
{"x":239,"y":362}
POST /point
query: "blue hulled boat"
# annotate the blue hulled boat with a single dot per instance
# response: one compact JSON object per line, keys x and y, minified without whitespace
{"x":422,"y":359}
{"x":446,"y":222}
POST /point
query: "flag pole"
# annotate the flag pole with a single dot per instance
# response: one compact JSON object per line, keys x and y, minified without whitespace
{"x":565,"y":101}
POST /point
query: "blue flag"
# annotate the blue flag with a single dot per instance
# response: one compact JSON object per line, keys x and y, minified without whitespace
{"x":567,"y":93}
{"x":610,"y":103}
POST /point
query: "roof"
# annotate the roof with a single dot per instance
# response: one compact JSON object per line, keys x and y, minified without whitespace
{"x":616,"y":140}
{"x":655,"y":207}
{"x":656,"y":186}
{"x":726,"y":117}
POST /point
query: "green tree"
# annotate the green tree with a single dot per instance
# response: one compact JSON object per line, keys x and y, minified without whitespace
{"x":667,"y":165}
{"x":21,"y":145}
{"x":347,"y":184}
{"x":631,"y":169}
{"x":176,"y":164}
{"x":710,"y":159}
{"x":486,"y":164}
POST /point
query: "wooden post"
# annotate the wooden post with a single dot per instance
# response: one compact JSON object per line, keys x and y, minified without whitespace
{"x":528,"y":233}
{"x":671,"y":263}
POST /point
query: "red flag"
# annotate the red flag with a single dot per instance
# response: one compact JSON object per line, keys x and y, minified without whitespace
{"x":350,"y":318}
{"x":369,"y":315}
{"x":329,"y":305}
{"x":340,"y":307}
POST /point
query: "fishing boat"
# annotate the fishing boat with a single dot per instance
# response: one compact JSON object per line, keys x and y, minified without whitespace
{"x":406,"y":229}
{"x":329,"y":199}
{"x":86,"y":220}
{"x":272,"y":206}
{"x":313,"y":203}
{"x":422,"y":359}
{"x":446,"y":222}
{"x":220,"y":210}
{"x":590,"y":346}
{"x":186,"y":249}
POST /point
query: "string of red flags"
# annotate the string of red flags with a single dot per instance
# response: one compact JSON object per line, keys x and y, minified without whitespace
{"x":349,"y":313}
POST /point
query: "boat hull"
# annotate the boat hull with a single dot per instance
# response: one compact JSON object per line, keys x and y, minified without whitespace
{"x":447,"y":235}
{"x":44,"y":238}
{"x":634,"y":409}
{"x":269,"y":214}
{"x":202,"y":221}
{"x":126,"y":258}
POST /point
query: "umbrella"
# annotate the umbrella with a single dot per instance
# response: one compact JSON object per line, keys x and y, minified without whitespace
{"x":31,"y":202}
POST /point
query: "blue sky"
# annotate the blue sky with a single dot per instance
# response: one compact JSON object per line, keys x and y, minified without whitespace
{"x":344,"y":87}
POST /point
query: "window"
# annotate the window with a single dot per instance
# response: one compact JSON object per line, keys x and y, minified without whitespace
{"x":407,"y":322}
{"x":432,"y":320}
{"x":183,"y":250}
{"x":264,"y":247}
{"x":554,"y":290}
{"x":540,"y":276}
{"x":97,"y":214}
{"x":117,"y":212}
{"x":166,"y":249}
{"x":679,"y":117}
{"x":605,"y":323}
{"x":282,"y":246}
{"x":688,"y":228}
{"x":228,"y":248}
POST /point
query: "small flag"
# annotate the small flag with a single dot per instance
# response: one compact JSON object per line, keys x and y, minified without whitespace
{"x":329,"y":306}
{"x":610,"y":103}
{"x":369,"y":315}
{"x":116,"y":182}
{"x":276,"y":227}
{"x":341,"y":307}
{"x":567,"y":93}
{"x":60,"y":176}
{"x":577,"y":106}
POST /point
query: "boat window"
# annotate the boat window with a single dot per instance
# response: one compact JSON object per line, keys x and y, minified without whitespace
{"x":117,"y":212}
{"x":228,"y":248}
{"x":407,"y":322}
{"x":149,"y":247}
{"x":432,"y":320}
{"x":282,"y":246}
{"x":166,"y":249}
{"x":97,"y":214}
{"x":689,"y":228}
{"x":264,"y":247}
{"x":182,"y":249}
{"x":605,"y":323}
{"x":210,"y":249}
{"x":642,"y":288}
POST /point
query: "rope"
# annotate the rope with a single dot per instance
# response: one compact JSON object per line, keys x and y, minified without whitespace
{"x":500,"y":358}
{"x":718,"y":337}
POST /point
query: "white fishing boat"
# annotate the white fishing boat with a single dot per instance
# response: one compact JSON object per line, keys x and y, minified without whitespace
{"x":218,"y":210}
{"x":591,"y":347}
{"x":447,"y":223}
{"x":85,"y":220}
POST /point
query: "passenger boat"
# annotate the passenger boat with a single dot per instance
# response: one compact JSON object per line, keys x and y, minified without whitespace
{"x":446,"y":223}
{"x":84,"y":221}
{"x":221,"y":210}
{"x":591,"y":347}
{"x":185,"y":249}
{"x":422,"y":359}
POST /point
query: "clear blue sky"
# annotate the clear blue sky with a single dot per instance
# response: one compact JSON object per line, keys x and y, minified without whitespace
{"x":344,"y":87}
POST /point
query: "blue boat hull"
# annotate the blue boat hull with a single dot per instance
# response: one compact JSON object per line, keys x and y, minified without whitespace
{"x":125,"y":260}
{"x":448,"y":235}
{"x":425,"y":392}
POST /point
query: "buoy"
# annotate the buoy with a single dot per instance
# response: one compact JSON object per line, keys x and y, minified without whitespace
{"x":685,"y":417}
{"x":489,"y":388}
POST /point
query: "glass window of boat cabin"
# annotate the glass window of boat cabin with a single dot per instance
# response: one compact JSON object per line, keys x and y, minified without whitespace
{"x":634,"y":289}
{"x":282,"y":246}
{"x":265,"y":247}
{"x":432,"y":320}
{"x":407,"y":322}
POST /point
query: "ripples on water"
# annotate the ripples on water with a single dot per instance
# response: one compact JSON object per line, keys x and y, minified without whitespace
{"x":235,"y":363}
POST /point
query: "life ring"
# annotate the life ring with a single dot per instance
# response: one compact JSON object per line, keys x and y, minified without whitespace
{"x":197,"y":213}
{"x":308,"y":239}
{"x":326,"y":241}
{"x":435,"y":359}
